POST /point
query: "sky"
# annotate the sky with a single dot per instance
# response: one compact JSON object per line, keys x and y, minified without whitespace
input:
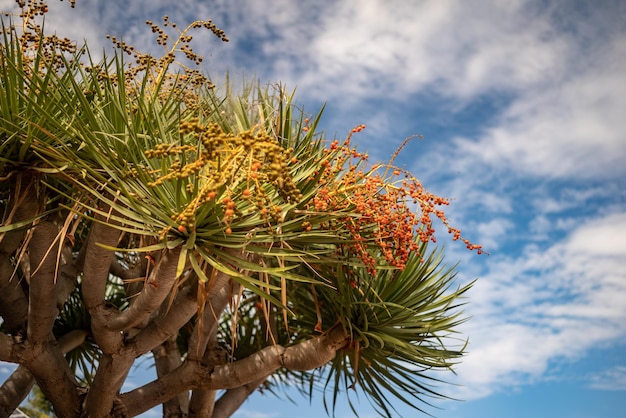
{"x":522,"y":106}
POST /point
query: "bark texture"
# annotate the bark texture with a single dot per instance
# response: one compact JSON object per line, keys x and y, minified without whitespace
{"x":304,"y":356}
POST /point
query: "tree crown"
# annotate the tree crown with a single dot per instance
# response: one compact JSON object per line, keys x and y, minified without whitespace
{"x":146,"y":210}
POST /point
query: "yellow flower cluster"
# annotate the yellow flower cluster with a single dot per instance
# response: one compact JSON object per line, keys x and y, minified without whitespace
{"x":211,"y":159}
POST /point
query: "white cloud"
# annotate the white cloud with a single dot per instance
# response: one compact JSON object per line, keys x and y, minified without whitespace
{"x":493,"y":232}
{"x":360,"y":50}
{"x":569,"y":198}
{"x":565,"y":118}
{"x":546,"y":305}
{"x":539,"y":228}
{"x":574,"y":129}
{"x":395,"y":48}
{"x":84,"y":25}
{"x":601,"y":239}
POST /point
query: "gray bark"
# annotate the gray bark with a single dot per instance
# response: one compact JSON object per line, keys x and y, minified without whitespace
{"x":110,"y":376}
{"x":303,"y":356}
{"x":220,"y":292}
{"x":13,"y":302}
{"x":166,"y":323}
{"x":202,"y":401}
{"x":95,"y":275}
{"x":54,"y":377}
{"x":17,"y":387}
{"x":232,"y":399}
{"x":42,"y":310}
{"x":161,"y":280}
{"x":167,"y":358}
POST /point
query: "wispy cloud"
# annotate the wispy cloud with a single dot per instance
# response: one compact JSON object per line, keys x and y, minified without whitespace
{"x":362,"y":50}
{"x":612,"y":379}
{"x":460,"y":49}
{"x":530,"y":310}
{"x":574,"y":131}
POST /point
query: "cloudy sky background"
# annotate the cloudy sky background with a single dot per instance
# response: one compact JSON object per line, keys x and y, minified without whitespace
{"x":522,"y":105}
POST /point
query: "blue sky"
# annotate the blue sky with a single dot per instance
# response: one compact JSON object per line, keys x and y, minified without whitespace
{"x":522,"y":105}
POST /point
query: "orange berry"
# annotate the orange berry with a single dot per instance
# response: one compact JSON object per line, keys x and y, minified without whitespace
{"x":182,"y":229}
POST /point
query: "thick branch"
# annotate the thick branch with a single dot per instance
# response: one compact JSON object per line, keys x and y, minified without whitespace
{"x":202,"y":401}
{"x":315,"y":352}
{"x":54,"y":377}
{"x":306,"y":355}
{"x":118,"y":357}
{"x":97,"y":262}
{"x":167,"y":358}
{"x":136,"y":271}
{"x":109,"y":378}
{"x":131,"y":275}
{"x":7,"y":349}
{"x":232,"y":399}
{"x":95,"y":274}
{"x":72,"y":340}
{"x":42,"y":309}
{"x":161,"y":281}
{"x":220,"y":294}
{"x":67,"y":278}
{"x":167,"y":323}
{"x":158,"y":391}
{"x":14,"y":390}
{"x":17,"y":387}
{"x":249,"y":369}
{"x":303,"y":356}
{"x":13,"y":302}
{"x":24,"y":204}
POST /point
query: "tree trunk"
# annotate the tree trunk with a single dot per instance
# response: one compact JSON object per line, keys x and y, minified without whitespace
{"x":167,"y":358}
